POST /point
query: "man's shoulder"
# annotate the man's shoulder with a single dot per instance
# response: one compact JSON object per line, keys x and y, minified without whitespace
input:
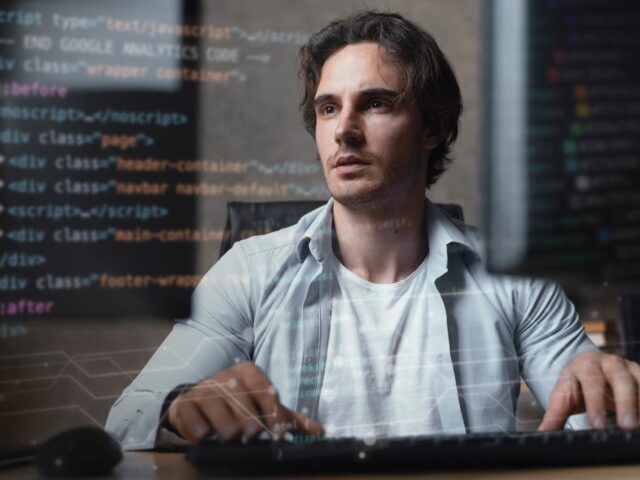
{"x":284,"y":241}
{"x":278,"y":239}
{"x":466,"y":249}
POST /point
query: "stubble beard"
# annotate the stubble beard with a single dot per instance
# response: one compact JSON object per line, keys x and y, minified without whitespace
{"x":374,"y":194}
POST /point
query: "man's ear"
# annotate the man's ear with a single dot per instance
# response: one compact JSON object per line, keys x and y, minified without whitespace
{"x":432,"y":136}
{"x":430,"y":142}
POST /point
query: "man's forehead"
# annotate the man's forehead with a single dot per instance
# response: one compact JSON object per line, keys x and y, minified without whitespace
{"x":358,"y":68}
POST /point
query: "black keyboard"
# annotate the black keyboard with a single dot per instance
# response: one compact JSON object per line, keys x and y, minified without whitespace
{"x":424,"y":453}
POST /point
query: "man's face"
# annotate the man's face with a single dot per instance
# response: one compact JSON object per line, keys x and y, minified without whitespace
{"x":372,"y":146}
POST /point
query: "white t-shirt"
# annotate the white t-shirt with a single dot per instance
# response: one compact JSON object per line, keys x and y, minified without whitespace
{"x":379,"y":375}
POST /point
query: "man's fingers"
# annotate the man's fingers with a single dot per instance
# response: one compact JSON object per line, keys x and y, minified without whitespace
{"x":564,"y":399}
{"x":595,"y":391}
{"x":189,"y":422}
{"x":305,"y":425}
{"x":263,"y":394}
{"x":634,"y":370}
{"x":239,"y":399}
{"x":625,"y":391}
{"x":275,"y":411}
{"x":279,"y":418}
{"x":266,"y":397}
{"x":213,"y":406}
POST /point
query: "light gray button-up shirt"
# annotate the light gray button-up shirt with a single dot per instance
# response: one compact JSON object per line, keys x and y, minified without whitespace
{"x":268,"y":300}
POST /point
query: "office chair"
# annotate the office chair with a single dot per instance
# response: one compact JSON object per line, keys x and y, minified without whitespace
{"x":630,"y":315}
{"x":245,"y":219}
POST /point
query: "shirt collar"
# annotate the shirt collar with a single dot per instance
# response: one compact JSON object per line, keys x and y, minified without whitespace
{"x":316,"y":237}
{"x":444,"y":236}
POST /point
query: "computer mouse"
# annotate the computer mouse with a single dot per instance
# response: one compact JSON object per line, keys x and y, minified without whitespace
{"x":79,"y":452}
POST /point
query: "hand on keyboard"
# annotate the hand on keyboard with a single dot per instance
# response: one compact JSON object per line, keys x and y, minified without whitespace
{"x":237,"y":402}
{"x":595,"y":382}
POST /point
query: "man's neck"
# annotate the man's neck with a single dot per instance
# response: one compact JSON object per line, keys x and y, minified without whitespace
{"x":382,"y":245}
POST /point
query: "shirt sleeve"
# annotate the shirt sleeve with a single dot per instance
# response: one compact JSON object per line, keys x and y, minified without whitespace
{"x":218,"y":335}
{"x":548,"y":336}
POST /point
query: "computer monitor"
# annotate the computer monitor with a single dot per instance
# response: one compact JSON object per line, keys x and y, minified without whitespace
{"x":98,"y":160}
{"x":562,"y":143}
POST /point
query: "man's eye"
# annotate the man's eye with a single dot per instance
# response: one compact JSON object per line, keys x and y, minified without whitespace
{"x":378,"y":104}
{"x":327,"y":109}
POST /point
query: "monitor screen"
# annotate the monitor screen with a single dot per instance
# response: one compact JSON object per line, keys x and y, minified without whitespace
{"x":562,"y":155}
{"x":98,"y":145}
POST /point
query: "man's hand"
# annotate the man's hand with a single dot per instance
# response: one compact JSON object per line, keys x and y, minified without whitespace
{"x":595,"y":382}
{"x":238,"y":401}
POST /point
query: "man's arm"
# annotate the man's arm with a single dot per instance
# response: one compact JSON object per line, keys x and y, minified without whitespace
{"x":548,"y":336}
{"x":567,"y":373}
{"x":201,"y":380}
{"x":217,"y":336}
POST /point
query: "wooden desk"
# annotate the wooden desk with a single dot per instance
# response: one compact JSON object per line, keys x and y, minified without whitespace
{"x":171,"y":466}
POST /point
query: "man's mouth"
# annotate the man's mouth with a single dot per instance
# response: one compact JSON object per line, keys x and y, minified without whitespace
{"x":348,"y":163}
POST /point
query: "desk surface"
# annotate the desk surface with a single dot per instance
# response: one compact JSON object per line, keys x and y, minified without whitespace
{"x":149,"y":465}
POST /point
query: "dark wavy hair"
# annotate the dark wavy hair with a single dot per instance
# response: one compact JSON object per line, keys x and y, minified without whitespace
{"x":428,"y":76}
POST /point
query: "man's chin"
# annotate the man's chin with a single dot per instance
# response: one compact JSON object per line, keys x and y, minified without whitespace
{"x":358,"y":198}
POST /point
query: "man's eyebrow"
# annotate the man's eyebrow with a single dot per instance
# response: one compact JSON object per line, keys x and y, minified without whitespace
{"x":323,"y":98}
{"x":380,"y":92}
{"x":370,"y":92}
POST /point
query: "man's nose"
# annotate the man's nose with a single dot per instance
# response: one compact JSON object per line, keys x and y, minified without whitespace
{"x":349,"y":127}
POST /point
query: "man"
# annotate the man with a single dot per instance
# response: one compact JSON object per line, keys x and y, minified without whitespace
{"x":373,"y":315}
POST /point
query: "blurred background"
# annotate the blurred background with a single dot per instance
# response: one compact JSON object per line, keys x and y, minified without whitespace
{"x":126,"y":128}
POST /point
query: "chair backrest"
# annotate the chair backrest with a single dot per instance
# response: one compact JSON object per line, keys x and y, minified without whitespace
{"x":630,"y":315}
{"x":246,"y":219}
